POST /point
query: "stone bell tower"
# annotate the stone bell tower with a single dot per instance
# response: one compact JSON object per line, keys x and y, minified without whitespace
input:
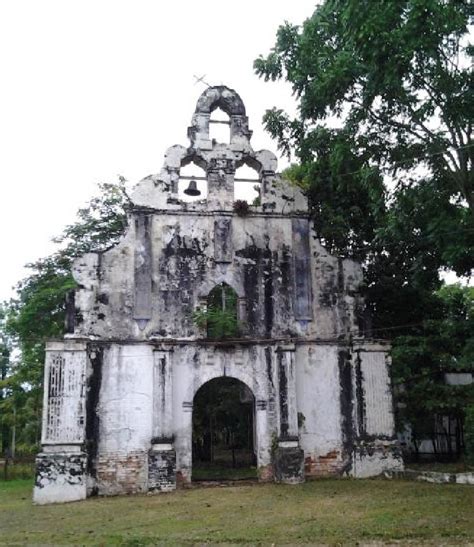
{"x":119,"y":389}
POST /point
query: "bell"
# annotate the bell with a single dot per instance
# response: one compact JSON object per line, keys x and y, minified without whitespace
{"x":192,"y":189}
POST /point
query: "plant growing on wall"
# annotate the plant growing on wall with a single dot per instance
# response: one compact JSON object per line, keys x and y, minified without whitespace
{"x":241,"y":207}
{"x":220,"y":315}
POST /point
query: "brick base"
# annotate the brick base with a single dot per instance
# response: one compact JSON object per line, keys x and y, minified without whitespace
{"x":122,"y":473}
{"x":326,"y":465}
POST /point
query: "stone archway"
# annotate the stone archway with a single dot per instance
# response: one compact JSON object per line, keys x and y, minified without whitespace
{"x":223,"y":430}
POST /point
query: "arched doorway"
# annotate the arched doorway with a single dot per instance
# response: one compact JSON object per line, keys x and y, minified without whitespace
{"x":224,"y":431}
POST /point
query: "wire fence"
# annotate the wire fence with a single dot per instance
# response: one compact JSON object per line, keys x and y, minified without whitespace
{"x":20,"y":467}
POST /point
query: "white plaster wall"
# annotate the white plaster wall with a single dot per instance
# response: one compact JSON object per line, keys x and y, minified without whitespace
{"x":377,"y":394}
{"x":106,"y":305}
{"x":335,"y":285}
{"x":318,"y":396}
{"x":125,"y":406}
{"x":366,"y":465}
{"x":59,"y":492}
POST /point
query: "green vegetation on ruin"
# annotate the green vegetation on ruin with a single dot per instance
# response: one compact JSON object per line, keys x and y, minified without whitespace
{"x":327,"y":511}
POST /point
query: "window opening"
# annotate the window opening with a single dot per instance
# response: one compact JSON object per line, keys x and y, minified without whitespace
{"x":223,"y":431}
{"x":247,"y":185}
{"x":222,"y":312}
{"x":219,"y":127}
{"x":192,"y":184}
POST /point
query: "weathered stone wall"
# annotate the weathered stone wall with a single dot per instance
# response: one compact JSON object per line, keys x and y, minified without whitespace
{"x":125,"y":418}
{"x":275,"y":280}
{"x":322,"y":394}
{"x":345,"y":409}
{"x":162,"y":468}
{"x":320,"y":411}
{"x":60,"y":477}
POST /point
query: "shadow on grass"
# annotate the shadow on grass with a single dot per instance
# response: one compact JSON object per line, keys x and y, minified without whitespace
{"x":203,"y":472}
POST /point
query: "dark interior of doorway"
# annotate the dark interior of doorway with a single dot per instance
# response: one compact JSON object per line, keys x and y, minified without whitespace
{"x":223,"y":431}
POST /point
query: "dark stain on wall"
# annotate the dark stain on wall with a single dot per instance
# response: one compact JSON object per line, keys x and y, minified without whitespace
{"x":143,"y":268}
{"x":258,"y":308}
{"x":92,"y":401}
{"x":70,"y":469}
{"x":268,"y":296}
{"x":182,"y":268}
{"x":361,"y":409}
{"x":283,"y":391}
{"x":70,"y":311}
{"x":346,"y":395}
{"x":268,"y":360}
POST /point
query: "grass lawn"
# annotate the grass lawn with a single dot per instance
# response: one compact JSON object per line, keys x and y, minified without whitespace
{"x":325,"y":511}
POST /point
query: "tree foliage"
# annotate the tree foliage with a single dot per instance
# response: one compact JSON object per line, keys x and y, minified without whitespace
{"x":444,"y":343}
{"x":396,"y":77}
{"x":383,"y":140}
{"x":37,"y":313}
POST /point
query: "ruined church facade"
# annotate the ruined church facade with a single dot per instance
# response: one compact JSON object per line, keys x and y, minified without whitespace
{"x":119,"y":388}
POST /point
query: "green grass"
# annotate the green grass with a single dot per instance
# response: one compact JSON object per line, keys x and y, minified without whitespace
{"x":325,"y":511}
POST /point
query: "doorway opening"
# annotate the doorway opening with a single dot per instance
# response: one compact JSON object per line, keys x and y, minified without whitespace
{"x":224,"y":431}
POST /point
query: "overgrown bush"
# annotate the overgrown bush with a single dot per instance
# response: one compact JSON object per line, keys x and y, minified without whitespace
{"x":219,"y":323}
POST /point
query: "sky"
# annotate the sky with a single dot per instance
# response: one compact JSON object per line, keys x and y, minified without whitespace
{"x":95,"y":89}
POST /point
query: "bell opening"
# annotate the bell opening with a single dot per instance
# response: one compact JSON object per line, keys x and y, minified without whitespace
{"x":192,"y":189}
{"x":192,"y":184}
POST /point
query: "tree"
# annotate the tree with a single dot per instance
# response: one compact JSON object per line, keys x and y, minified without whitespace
{"x":39,"y":309}
{"x":5,"y":365}
{"x":383,"y":91}
{"x":444,"y":343}
{"x":397,"y":77}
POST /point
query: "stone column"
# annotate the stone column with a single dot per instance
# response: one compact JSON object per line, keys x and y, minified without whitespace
{"x":162,"y":455}
{"x":288,"y":458}
{"x":61,"y":465}
{"x":263,"y":441}
{"x":220,"y":184}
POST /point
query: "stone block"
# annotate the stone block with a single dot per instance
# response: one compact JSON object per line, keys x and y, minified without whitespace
{"x":60,"y":477}
{"x":162,"y":468}
{"x":288,"y":464}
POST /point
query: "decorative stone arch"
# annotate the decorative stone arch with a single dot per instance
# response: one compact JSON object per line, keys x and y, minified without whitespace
{"x":262,"y":441}
{"x":196,"y":158}
{"x":228,"y":101}
{"x":221,"y":97}
{"x":241,"y":376}
{"x":251,"y":161}
{"x":210,"y":284}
